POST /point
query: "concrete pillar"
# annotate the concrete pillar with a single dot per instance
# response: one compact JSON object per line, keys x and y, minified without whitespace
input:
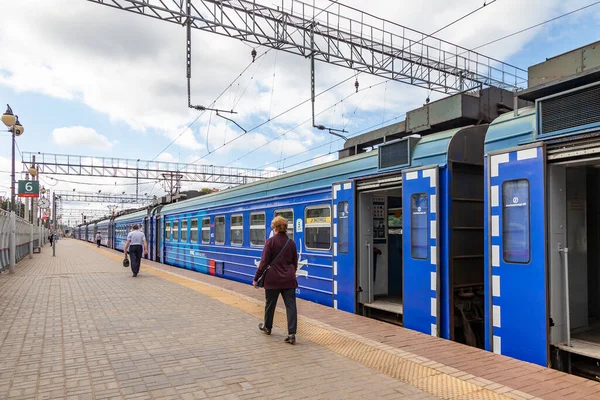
{"x":12,"y":244}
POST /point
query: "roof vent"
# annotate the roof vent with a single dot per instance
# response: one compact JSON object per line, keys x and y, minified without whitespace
{"x":570,"y":112}
{"x":397,"y":153}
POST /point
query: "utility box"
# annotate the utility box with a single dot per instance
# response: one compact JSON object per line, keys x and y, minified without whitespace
{"x":568,"y":64}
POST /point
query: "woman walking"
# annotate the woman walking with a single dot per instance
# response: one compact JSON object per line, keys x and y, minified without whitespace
{"x":277,"y":273}
{"x":136,"y":241}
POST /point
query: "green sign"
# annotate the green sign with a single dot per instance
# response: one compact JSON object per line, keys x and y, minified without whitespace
{"x":29,"y":189}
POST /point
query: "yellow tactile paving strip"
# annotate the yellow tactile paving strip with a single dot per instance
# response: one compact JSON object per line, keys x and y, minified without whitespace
{"x":396,"y":366}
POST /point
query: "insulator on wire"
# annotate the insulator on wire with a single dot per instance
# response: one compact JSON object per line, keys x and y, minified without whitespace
{"x":356,"y":85}
{"x":253,"y":53}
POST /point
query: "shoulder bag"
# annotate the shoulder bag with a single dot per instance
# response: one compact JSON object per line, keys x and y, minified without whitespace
{"x":261,"y":281}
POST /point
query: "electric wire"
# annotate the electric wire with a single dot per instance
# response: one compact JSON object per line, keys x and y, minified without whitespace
{"x":277,"y":116}
{"x":304,"y":122}
{"x":268,"y":121}
{"x":327,"y":144}
{"x":356,"y":75}
{"x":535,"y":26}
{"x":211,"y":104}
{"x":357,"y":133}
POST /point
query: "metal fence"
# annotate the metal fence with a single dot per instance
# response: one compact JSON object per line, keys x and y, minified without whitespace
{"x":27,"y":237}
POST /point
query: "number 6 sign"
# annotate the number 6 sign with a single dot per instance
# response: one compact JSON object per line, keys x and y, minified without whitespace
{"x":29,"y":189}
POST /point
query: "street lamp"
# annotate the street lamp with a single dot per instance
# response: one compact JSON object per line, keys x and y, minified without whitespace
{"x":14,"y":126}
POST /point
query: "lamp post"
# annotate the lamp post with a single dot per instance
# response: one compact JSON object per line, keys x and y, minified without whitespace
{"x":14,"y":126}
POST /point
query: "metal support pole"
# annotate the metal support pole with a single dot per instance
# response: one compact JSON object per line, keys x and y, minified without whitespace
{"x":26,"y":216}
{"x":12,"y":175}
{"x":565,"y":251}
{"x":34,"y":200}
{"x":31,"y":241}
{"x":54,"y":225}
{"x":12,"y":245}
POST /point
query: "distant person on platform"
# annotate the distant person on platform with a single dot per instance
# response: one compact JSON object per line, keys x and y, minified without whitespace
{"x":136,"y":242}
{"x":281,"y":254}
{"x":98,"y":238}
{"x":51,"y":238}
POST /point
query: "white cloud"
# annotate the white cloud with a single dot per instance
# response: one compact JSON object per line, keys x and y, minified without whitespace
{"x":131,"y":69}
{"x":166,"y":157}
{"x":80,"y":136}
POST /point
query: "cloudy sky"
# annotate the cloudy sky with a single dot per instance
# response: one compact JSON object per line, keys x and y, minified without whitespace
{"x":91,"y":80}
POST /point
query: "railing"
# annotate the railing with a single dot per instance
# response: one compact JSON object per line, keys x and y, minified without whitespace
{"x":26,"y":237}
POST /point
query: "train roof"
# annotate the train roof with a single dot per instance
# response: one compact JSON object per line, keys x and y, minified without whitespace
{"x":132,"y":216}
{"x":311,"y":178}
{"x":509,"y":131}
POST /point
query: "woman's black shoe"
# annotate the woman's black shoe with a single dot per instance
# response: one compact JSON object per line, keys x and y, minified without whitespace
{"x":291,"y":339}
{"x":261,"y":326}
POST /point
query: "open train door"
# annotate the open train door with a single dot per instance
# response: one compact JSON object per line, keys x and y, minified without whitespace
{"x":344,"y":285}
{"x":420,"y":202}
{"x":516,"y":272}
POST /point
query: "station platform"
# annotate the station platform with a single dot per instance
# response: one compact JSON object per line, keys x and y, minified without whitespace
{"x":79,"y":326}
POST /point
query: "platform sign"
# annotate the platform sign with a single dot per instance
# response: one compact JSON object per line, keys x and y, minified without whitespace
{"x":421,"y":251}
{"x":29,"y":189}
{"x":344,"y":284}
{"x":515,"y":254}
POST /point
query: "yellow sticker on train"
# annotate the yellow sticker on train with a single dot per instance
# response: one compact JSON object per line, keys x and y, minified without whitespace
{"x":318,"y":220}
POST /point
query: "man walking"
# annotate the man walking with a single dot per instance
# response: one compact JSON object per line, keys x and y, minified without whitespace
{"x":98,"y":238}
{"x":136,"y":242}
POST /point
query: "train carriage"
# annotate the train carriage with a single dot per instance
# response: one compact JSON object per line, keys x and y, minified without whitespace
{"x":102,"y":227}
{"x":542,"y":232}
{"x":223,"y":233}
{"x":123,"y":225}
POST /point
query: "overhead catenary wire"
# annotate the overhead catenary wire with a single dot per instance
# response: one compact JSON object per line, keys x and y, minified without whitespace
{"x":357,"y":133}
{"x":305,"y":122}
{"x":327,"y":144}
{"x":211,"y":104}
{"x":268,"y":121}
{"x":356,"y":74}
{"x":536,"y":25}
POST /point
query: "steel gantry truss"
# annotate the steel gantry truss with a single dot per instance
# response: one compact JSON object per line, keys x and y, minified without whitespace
{"x":65,"y":195}
{"x":61,"y":164}
{"x":345,"y":37}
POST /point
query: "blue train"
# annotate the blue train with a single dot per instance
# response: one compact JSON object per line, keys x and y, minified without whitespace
{"x":486,"y":234}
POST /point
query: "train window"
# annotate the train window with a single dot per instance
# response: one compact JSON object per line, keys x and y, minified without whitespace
{"x":289,"y":215}
{"x":515,"y":222}
{"x":258,"y":229}
{"x":419,"y":240}
{"x":343,"y":227}
{"x":184,"y":231}
{"x":317,"y":228}
{"x":175,"y":231}
{"x":167,"y":231}
{"x":205,"y":230}
{"x":237,"y":230}
{"x":220,"y":230}
{"x":194,"y":231}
